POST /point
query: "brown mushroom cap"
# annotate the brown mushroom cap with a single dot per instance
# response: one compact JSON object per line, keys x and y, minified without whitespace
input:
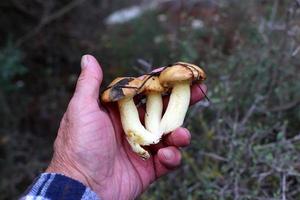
{"x":120,"y":88}
{"x":152,"y":84}
{"x":181,"y":71}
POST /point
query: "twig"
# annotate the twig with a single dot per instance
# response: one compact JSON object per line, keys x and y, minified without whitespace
{"x":295,"y":52}
{"x":286,"y":106}
{"x":250,"y":111}
{"x":274,"y":11}
{"x":20,"y":7}
{"x":214,"y":156}
{"x":236,"y":187}
{"x":275,"y":144}
{"x":263,"y":175}
{"x":283,"y":186}
{"x":48,"y":19}
{"x":146,"y":66}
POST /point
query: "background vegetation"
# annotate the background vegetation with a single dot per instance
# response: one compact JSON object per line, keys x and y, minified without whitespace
{"x":246,"y":141}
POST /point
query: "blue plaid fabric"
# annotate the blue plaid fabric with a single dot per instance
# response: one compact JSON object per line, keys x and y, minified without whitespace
{"x":56,"y":186}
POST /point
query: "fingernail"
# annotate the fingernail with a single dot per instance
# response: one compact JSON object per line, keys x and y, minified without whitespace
{"x":84,"y":61}
{"x":187,"y":132}
{"x":168,"y":154}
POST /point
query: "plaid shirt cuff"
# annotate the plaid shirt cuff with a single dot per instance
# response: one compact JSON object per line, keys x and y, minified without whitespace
{"x":56,"y":186}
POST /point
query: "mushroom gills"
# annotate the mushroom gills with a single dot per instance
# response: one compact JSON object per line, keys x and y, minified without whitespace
{"x":154,"y":107}
{"x":177,"y":107}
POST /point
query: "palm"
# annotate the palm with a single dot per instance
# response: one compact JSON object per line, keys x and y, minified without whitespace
{"x":102,"y":139}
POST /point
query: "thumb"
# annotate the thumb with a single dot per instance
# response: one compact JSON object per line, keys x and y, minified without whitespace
{"x":89,"y":81}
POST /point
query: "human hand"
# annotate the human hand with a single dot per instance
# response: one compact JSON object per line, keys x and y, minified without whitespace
{"x":91,"y":146}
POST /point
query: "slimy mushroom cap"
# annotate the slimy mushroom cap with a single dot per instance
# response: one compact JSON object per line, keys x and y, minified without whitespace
{"x":181,"y":71}
{"x":120,"y":88}
{"x":152,"y":84}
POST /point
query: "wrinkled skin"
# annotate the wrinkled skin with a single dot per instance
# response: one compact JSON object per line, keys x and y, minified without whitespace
{"x":91,"y":148}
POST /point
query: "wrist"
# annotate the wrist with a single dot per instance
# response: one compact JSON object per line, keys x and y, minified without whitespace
{"x":69,"y":171}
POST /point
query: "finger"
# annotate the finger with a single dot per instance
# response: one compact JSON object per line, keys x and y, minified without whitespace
{"x":166,"y":160}
{"x":181,"y":137}
{"x":89,"y":81}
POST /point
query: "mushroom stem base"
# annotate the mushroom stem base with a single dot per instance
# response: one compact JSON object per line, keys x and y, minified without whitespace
{"x":136,"y":133}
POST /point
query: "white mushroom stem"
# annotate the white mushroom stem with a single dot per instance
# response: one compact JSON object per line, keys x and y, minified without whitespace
{"x":154,"y":107}
{"x":177,"y":107}
{"x":132,"y":126}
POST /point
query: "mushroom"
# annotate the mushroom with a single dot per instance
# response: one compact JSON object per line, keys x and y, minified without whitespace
{"x":123,"y":90}
{"x":154,"y":105}
{"x":179,"y":77}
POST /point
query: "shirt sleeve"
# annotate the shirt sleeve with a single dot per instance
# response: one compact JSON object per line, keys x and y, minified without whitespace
{"x":56,"y":186}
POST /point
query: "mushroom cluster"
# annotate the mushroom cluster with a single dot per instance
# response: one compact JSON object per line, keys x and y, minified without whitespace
{"x":176,"y":79}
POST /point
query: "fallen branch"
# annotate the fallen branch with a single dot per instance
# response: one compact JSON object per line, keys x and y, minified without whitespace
{"x":48,"y":19}
{"x":286,"y":106}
